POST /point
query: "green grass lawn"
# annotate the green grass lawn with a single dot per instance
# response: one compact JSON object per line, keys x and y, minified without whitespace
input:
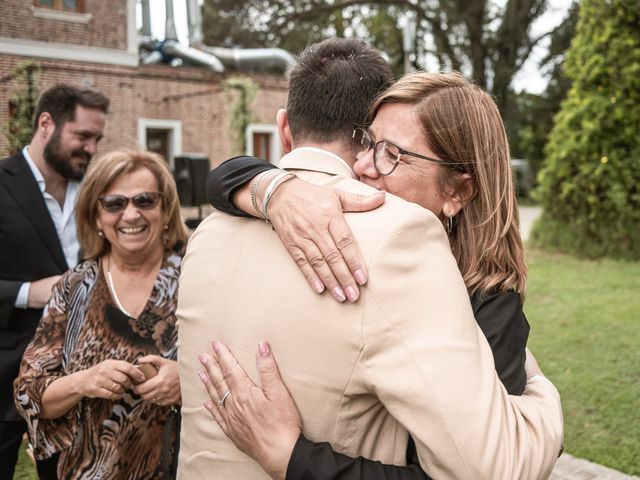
{"x":585,"y":331}
{"x":25,"y":470}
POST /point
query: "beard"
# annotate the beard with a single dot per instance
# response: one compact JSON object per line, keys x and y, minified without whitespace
{"x":59,"y":158}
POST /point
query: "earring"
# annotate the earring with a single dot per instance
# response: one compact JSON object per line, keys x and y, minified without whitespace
{"x":100,"y":233}
{"x":166,"y":227}
{"x":449,"y":224}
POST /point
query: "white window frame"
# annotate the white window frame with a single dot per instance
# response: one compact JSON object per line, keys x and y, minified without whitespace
{"x":79,"y":53}
{"x":275,"y":146}
{"x":174,"y":127}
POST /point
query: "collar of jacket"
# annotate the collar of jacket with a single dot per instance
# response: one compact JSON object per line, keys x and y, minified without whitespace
{"x":316,"y":160}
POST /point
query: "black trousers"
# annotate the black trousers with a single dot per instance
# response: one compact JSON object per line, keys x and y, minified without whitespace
{"x":10,"y":440}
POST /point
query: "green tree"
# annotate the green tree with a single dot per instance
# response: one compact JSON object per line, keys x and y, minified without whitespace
{"x":532,"y":117}
{"x":590,"y":184}
{"x":488,"y":40}
{"x":19,"y":129}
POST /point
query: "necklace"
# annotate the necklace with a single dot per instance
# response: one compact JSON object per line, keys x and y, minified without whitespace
{"x":112,"y":289}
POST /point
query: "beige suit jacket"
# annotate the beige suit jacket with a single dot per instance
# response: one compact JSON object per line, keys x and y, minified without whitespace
{"x":408,"y":357}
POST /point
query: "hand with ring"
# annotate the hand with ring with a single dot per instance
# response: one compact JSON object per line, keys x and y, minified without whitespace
{"x":224,"y":397}
{"x":262,"y":421}
{"x":109,"y":379}
{"x":163,"y":388}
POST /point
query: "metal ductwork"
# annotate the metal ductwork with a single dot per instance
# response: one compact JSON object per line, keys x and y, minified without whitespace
{"x":216,"y":58}
{"x":191,"y":55}
{"x":252,"y":58}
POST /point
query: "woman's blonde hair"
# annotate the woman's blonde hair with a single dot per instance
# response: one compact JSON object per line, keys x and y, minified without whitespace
{"x":462,"y":125}
{"x":101,"y":175}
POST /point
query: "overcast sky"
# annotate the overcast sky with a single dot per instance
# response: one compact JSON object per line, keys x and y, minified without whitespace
{"x":529,"y":78}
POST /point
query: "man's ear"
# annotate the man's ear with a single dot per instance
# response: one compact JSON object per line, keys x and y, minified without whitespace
{"x":459,"y":196}
{"x":46,"y":126}
{"x":282,"y":120}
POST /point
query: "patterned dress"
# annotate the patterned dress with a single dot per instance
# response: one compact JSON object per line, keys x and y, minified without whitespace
{"x":98,"y":438}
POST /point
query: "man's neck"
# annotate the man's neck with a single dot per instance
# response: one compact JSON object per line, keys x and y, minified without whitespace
{"x":55,"y":184}
{"x":338,"y":148}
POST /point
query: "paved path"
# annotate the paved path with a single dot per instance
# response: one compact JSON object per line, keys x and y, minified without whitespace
{"x":572,"y":468}
{"x":527,"y":217}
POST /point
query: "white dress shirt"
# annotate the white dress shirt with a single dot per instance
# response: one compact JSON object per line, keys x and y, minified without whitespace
{"x":63,"y":218}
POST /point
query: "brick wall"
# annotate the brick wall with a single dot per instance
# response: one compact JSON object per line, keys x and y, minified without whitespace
{"x":106,"y":29}
{"x":192,"y":95}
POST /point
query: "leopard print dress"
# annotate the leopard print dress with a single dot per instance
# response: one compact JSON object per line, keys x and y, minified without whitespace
{"x":98,"y":438}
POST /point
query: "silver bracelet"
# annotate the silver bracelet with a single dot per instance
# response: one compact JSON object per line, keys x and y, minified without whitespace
{"x":254,"y":190}
{"x":271,"y":188}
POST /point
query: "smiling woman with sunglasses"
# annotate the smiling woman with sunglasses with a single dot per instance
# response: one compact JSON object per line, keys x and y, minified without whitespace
{"x":99,"y":382}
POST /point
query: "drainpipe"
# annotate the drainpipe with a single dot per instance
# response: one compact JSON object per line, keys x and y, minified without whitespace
{"x":146,"y":19}
{"x":194,"y":19}
{"x":170,"y":24}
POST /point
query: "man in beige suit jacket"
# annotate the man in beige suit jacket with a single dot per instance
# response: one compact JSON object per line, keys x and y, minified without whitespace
{"x":407,"y":358}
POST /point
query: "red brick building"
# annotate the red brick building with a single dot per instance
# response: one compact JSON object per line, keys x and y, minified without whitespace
{"x":168,"y":109}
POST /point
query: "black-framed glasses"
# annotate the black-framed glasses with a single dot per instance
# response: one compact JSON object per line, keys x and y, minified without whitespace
{"x":386,"y":155}
{"x":118,"y":203}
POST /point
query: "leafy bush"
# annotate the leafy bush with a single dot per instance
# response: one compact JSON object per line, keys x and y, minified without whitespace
{"x":590,"y":184}
{"x":240,"y":113}
{"x":18,"y":130}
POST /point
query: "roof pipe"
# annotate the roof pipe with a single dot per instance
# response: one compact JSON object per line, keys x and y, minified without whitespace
{"x":191,"y":55}
{"x":250,"y":58}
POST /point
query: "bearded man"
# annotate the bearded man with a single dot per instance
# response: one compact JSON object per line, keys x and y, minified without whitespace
{"x":38,"y":189}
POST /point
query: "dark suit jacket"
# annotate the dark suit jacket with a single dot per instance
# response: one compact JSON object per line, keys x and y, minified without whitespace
{"x":29,"y":250}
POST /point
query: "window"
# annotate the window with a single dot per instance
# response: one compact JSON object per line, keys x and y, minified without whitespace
{"x":158,"y":142}
{"x":161,"y":136}
{"x":64,"y":5}
{"x":263,"y":141}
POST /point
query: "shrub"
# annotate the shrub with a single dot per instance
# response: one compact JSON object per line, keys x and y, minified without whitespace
{"x":589,"y":187}
{"x":18,"y":130}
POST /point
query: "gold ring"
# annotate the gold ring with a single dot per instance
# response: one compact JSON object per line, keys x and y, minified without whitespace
{"x":224,"y":397}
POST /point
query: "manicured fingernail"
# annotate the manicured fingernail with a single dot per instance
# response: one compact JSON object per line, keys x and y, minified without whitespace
{"x":203,"y":359}
{"x":214,"y":345}
{"x":318,"y":286}
{"x":203,"y":376}
{"x":208,"y":406}
{"x":360,"y":276}
{"x":264,"y":349}
{"x":352,"y":293}
{"x":338,"y":294}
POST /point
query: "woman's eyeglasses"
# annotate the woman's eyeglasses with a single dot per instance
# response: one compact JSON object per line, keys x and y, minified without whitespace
{"x":118,"y":203}
{"x":386,"y":155}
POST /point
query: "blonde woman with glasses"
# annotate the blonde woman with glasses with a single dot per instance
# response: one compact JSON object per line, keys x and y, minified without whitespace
{"x":433,"y":139}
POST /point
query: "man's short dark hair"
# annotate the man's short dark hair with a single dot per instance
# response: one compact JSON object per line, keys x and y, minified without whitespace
{"x":332,"y":86}
{"x":61,"y":100}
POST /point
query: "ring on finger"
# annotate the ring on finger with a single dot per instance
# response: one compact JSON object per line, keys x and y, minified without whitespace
{"x":115,"y":387}
{"x":224,"y":397}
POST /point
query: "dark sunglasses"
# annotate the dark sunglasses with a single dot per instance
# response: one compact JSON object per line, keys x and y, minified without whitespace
{"x":118,"y":203}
